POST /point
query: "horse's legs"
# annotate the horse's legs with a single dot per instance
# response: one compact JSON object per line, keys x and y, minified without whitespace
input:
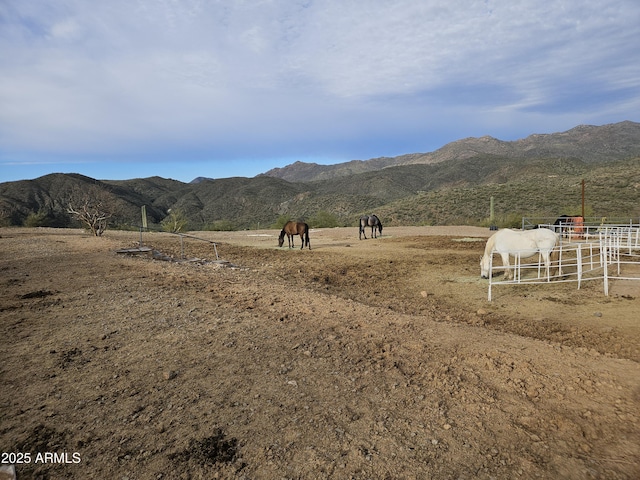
{"x":555,"y":258}
{"x":508,"y":274}
{"x":302,"y":241}
{"x":290,"y":239}
{"x":548,"y":257}
{"x":547,"y":264}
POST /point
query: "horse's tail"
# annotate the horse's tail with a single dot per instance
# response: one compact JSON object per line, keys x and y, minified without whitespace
{"x":306,"y":236}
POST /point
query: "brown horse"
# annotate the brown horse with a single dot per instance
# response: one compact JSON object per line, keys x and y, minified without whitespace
{"x":291,"y":229}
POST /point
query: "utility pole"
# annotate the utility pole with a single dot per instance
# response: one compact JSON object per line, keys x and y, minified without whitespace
{"x":491,"y":216}
{"x":583,"y":199}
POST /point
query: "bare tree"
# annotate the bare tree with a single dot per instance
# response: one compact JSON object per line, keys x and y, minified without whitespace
{"x":93,"y":207}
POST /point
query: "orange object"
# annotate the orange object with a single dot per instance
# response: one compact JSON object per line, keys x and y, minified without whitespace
{"x":577,"y":227}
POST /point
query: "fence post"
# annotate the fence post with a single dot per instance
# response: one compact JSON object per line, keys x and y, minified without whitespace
{"x":579,"y":264}
{"x":618,"y":245}
{"x":144,"y":216}
{"x":560,"y":249}
{"x":490,"y":274}
{"x":606,"y":272}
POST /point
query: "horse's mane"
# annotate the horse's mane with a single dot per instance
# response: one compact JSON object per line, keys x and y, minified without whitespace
{"x":490,"y":244}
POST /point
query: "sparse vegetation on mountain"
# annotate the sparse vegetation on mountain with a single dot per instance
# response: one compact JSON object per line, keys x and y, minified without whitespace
{"x":537,"y":176}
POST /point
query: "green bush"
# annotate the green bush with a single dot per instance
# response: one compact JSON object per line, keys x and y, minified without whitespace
{"x":324,"y":219}
{"x":40,"y":219}
{"x":282,"y":219}
{"x":221,"y":226}
{"x":175,"y":222}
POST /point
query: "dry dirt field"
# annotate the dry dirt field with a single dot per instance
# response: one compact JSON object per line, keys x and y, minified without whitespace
{"x":372,"y":359}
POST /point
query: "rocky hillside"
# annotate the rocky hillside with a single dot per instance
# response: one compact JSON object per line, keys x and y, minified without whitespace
{"x":588,"y":143}
{"x":540,"y":175}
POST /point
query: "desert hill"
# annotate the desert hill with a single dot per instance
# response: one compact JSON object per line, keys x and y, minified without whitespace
{"x":536,"y":176}
{"x":589,"y":143}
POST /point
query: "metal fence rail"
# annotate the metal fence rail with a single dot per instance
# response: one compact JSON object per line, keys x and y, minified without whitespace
{"x":605,"y":254}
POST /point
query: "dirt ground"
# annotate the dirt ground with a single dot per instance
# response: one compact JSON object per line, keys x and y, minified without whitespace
{"x":372,"y":359}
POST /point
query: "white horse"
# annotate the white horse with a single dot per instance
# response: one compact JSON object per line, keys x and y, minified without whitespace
{"x":525,"y":243}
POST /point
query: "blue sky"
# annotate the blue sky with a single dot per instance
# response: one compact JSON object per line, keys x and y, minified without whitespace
{"x":124,"y":89}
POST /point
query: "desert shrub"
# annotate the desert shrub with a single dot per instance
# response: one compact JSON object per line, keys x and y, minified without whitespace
{"x":324,"y":219}
{"x":282,"y":219}
{"x":221,"y":226}
{"x":175,"y":222}
{"x":34,"y":219}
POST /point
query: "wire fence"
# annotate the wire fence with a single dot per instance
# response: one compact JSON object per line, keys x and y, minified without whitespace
{"x":607,"y":253}
{"x":179,"y":236}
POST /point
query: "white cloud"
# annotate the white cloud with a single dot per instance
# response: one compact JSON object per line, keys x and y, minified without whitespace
{"x":115,"y":76}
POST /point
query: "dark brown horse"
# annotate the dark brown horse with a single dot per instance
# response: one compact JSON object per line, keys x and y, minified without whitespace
{"x":291,"y":229}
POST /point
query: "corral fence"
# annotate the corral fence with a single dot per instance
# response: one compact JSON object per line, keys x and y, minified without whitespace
{"x":577,"y":227}
{"x":602,"y":253}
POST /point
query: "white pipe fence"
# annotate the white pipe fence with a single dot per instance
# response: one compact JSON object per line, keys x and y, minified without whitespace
{"x":610,"y":253}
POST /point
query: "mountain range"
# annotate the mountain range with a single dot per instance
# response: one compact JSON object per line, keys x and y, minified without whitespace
{"x":540,"y":175}
{"x":591,"y":144}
